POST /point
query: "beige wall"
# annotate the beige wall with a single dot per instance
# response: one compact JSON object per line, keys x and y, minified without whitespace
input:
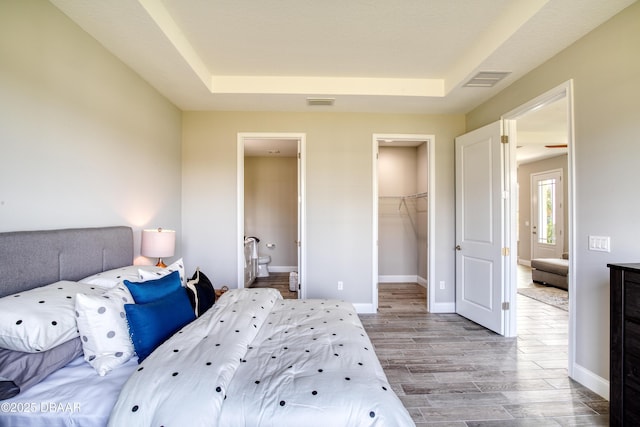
{"x":84,"y":141}
{"x":339,"y":188}
{"x":270,"y":207}
{"x":524,"y":202}
{"x":604,"y":66}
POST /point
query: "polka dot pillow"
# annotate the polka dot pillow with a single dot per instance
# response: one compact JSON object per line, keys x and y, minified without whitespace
{"x":41,"y":318}
{"x":110,"y":278}
{"x":103,"y":328}
{"x":146,"y":274}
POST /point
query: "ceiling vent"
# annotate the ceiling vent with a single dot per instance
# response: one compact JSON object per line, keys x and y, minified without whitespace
{"x":315,"y":102}
{"x":486,"y":78}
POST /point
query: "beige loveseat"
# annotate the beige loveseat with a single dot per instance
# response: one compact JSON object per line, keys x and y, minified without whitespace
{"x":551,"y":271}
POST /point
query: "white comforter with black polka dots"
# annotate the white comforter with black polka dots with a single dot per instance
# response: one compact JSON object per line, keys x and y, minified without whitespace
{"x":255,"y":359}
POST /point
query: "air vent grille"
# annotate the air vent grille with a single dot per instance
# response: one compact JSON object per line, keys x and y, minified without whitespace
{"x":486,"y":78}
{"x":314,"y":102}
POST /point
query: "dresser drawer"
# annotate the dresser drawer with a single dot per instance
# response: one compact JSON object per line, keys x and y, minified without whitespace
{"x":632,"y":276}
{"x":631,"y":337}
{"x":631,"y":416}
{"x":631,"y":299}
{"x":631,"y":372}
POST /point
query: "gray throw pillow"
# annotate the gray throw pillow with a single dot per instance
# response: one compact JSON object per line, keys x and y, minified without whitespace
{"x":19,"y":370}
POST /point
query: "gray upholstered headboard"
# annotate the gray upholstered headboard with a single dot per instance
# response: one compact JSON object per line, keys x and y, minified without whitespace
{"x":29,"y":259}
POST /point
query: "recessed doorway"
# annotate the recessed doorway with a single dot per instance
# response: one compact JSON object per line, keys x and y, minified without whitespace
{"x":271,"y":211}
{"x":544,"y":153}
{"x":403,"y":220}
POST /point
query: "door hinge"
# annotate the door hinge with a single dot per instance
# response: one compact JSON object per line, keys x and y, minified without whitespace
{"x":504,"y":139}
{"x":506,"y":251}
{"x":299,"y":286}
{"x":505,"y":306}
{"x":299,"y":156}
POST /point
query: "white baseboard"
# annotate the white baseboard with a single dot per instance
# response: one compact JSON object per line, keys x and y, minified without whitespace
{"x":593,"y":382}
{"x":408,"y":278}
{"x":364,"y":308}
{"x":443,"y":307}
{"x":526,"y":262}
{"x":281,"y":268}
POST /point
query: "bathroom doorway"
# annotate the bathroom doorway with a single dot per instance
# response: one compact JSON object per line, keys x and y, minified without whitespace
{"x":404,"y":203}
{"x":271,"y":211}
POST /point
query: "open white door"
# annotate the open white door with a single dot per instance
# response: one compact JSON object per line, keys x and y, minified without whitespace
{"x":301,"y":219}
{"x":481,"y":204}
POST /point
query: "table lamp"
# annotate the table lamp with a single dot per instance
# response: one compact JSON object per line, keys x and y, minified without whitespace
{"x":159,"y":244}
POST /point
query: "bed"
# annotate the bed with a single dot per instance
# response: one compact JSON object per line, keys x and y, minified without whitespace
{"x":252,"y":359}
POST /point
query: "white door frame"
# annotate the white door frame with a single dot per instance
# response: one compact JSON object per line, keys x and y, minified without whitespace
{"x":302,"y":223}
{"x":431,"y":215}
{"x":561,"y":91}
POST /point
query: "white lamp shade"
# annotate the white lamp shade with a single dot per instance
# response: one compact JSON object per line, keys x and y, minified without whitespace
{"x":158,"y":243}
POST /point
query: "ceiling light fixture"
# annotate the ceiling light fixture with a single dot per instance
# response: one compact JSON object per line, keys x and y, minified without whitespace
{"x":486,"y":78}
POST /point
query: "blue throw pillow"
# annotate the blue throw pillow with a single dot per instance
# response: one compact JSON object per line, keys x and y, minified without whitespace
{"x":152,"y":324}
{"x":151,"y":290}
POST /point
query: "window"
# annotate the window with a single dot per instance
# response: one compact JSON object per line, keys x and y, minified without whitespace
{"x":547,"y":211}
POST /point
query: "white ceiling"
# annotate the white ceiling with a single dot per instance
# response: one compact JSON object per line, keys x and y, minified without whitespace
{"x":393,"y":56}
{"x":541,"y":128}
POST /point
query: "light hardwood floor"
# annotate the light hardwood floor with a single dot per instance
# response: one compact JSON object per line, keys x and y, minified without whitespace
{"x":449,"y":371}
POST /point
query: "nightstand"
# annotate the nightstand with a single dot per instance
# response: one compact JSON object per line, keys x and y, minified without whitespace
{"x":221,"y":291}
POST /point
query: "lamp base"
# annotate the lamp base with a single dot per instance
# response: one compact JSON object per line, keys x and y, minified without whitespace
{"x":161,"y":264}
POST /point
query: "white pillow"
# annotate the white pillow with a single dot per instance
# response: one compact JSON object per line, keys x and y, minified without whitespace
{"x":41,"y":318}
{"x":110,"y":278}
{"x":152,"y":275}
{"x":103,"y":328}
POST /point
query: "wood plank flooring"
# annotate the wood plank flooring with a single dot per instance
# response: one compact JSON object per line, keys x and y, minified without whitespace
{"x":279,"y":281}
{"x":449,"y":371}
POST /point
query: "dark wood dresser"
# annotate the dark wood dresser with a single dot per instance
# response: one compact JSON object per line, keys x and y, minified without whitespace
{"x":624,"y":381}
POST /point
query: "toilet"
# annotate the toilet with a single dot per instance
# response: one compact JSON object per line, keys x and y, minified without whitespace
{"x":263,"y":269}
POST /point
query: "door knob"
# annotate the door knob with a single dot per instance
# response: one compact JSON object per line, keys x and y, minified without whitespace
{"x":458,"y":248}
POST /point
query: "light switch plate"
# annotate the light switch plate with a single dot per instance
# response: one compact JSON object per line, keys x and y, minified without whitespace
{"x":600,"y":243}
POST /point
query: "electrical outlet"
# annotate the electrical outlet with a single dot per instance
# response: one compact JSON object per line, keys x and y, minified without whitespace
{"x":442,"y":284}
{"x":340,"y":285}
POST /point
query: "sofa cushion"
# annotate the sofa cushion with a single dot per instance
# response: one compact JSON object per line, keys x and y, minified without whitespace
{"x":551,"y":265}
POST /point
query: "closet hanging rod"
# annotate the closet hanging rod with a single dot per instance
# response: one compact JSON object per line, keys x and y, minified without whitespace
{"x":410,"y":196}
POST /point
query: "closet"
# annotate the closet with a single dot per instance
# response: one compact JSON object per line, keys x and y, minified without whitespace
{"x":403,"y":212}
